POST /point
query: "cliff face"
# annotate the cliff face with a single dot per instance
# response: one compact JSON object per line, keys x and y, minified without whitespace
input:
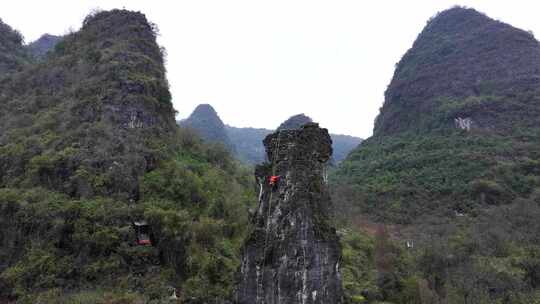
{"x":90,"y":118}
{"x":292,"y":255}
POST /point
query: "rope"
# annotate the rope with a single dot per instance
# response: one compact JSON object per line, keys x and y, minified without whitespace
{"x":274,"y":159}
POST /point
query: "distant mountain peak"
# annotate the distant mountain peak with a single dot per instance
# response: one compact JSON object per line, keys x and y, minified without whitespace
{"x":205,"y":109}
{"x":43,"y":45}
{"x":207,"y":123}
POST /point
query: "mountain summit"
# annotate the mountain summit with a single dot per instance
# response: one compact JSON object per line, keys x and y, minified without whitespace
{"x":206,"y":122}
{"x":462,"y":65}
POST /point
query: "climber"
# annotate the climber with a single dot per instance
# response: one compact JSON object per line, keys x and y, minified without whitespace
{"x":273,"y":180}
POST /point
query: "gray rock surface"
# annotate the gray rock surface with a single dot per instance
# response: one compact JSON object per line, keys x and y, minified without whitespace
{"x":295,"y":122}
{"x":293,"y":253}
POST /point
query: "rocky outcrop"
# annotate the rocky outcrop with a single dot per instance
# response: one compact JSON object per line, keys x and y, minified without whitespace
{"x":293,"y":253}
{"x":295,"y":122}
{"x":341,"y":144}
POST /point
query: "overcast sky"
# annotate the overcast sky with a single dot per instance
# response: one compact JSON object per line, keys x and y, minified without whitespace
{"x":259,"y":62}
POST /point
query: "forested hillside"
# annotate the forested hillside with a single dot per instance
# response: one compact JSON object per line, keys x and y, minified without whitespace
{"x":453,"y":166}
{"x":105,"y":198}
{"x":88,"y":148}
{"x":12,"y":53}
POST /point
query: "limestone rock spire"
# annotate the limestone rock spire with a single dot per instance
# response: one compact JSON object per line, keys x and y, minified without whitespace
{"x":293,"y":253}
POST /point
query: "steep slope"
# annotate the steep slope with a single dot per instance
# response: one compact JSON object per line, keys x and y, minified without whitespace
{"x":341,"y":144}
{"x":453,"y":167}
{"x":464,"y":64}
{"x":206,"y":122}
{"x":88,"y":148}
{"x":43,"y":45}
{"x":12,"y":53}
{"x":87,"y":118}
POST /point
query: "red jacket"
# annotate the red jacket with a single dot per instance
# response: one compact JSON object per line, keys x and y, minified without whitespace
{"x":274,"y":179}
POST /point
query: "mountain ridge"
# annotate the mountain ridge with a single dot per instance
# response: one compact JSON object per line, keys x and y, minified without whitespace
{"x":247,"y":142}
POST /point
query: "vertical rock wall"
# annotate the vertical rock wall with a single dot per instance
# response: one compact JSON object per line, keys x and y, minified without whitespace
{"x":292,"y":254}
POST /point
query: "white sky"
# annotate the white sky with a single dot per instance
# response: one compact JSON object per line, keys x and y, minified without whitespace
{"x":259,"y":62}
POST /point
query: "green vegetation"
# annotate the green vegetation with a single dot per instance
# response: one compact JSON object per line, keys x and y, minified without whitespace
{"x":196,"y":205}
{"x":13,"y":56}
{"x":470,"y":202}
{"x":403,"y":178}
{"x":89,"y":145}
{"x":489,"y":258}
{"x":467,"y":198}
{"x":463,"y":64}
{"x":93,"y":116}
